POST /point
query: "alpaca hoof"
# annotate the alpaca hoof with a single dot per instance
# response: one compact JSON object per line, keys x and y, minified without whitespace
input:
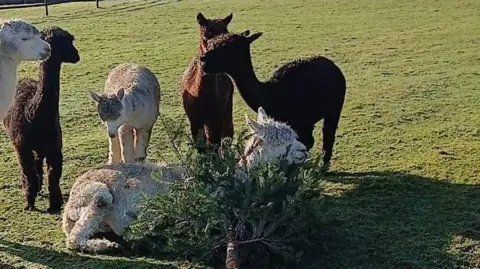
{"x":30,"y":208}
{"x":53,"y":210}
{"x":325,"y":167}
{"x":55,"y":207}
{"x":140,"y":160}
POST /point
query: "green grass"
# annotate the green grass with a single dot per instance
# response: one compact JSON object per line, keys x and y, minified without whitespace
{"x":407,"y":155}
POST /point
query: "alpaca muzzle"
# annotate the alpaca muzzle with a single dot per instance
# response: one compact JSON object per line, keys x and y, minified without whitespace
{"x":46,"y":53}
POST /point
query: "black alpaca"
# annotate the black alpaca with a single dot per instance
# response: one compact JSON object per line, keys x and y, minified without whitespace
{"x":300,"y":93}
{"x":33,"y":121}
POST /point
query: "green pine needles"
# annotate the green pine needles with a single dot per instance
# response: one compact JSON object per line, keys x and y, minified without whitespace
{"x":266,"y":216}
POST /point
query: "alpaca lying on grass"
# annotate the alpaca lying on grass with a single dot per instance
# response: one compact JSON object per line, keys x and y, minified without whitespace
{"x":19,"y":41}
{"x":129,"y":107}
{"x":33,"y":121}
{"x":106,"y":199}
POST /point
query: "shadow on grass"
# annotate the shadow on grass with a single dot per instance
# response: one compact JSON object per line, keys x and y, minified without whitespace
{"x":6,"y":266}
{"x":395,"y":220}
{"x":382,"y":220}
{"x":56,"y":259}
{"x":116,"y":9}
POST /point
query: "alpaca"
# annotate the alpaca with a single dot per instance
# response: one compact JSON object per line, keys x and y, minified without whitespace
{"x":19,"y":41}
{"x":33,"y":121}
{"x":129,"y":106}
{"x":208,"y":98}
{"x":300,"y":93}
{"x":106,"y":199}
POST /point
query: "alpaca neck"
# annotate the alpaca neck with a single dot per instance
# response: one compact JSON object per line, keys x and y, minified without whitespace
{"x":8,"y":82}
{"x":203,"y":46}
{"x":48,"y":92}
{"x":251,"y":89}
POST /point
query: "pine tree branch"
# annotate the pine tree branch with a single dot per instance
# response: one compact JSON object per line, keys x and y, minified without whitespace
{"x":212,"y":249}
{"x":172,"y":138}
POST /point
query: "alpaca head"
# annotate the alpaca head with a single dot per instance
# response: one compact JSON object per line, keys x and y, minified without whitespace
{"x":225,"y":51}
{"x":272,"y":141}
{"x":21,"y":41}
{"x":61,"y":43}
{"x":111,"y":109}
{"x":210,"y":28}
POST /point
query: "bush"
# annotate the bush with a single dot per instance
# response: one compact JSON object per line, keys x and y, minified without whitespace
{"x":269,"y":215}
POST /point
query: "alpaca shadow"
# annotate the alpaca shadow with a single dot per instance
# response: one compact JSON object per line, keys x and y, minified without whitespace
{"x":395,"y":220}
{"x":56,"y":259}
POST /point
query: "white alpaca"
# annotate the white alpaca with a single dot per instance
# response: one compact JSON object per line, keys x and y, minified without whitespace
{"x":19,"y":41}
{"x":129,"y":106}
{"x":106,"y":199}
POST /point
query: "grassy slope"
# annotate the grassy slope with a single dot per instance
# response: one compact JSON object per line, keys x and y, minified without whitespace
{"x":408,"y":148}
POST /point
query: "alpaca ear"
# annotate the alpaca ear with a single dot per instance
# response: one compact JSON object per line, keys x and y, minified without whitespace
{"x":254,"y":126}
{"x":245,"y":33}
{"x":120,"y":94}
{"x":95,"y":97}
{"x":254,"y":37}
{"x":262,"y":116}
{"x":4,"y":24}
{"x":227,"y":19}
{"x":202,"y":21}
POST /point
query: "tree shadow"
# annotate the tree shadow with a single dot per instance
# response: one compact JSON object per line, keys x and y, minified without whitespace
{"x":6,"y":266}
{"x":55,"y":259}
{"x":102,"y":11}
{"x":395,"y":220}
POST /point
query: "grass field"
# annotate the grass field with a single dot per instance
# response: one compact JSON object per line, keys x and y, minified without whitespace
{"x":404,"y":189}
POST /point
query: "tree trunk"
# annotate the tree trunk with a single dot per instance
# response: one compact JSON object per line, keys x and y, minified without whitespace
{"x":232,"y":262}
{"x":46,"y":8}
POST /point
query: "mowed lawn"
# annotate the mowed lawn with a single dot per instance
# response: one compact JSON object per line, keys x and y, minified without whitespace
{"x":404,"y":189}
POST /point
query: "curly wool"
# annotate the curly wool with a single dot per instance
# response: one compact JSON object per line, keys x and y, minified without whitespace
{"x":106,"y":199}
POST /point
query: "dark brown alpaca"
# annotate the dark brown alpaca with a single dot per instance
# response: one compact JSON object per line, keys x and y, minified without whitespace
{"x":207,"y":98}
{"x":33,"y":121}
{"x":300,"y":93}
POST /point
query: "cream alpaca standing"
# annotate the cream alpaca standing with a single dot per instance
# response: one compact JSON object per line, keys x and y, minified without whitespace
{"x":106,"y":198}
{"x":19,"y":41}
{"x":129,"y":106}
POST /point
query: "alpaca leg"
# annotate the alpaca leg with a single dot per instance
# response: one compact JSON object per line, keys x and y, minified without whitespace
{"x":39,"y":158}
{"x":196,"y":128}
{"x":88,"y":223}
{"x":54,"y":169}
{"x":67,"y":224}
{"x":85,"y":227}
{"x":141,"y":144}
{"x":114,"y":153}
{"x":228,"y":121}
{"x":29,"y":175}
{"x":330,"y":125}
{"x":126,"y":143}
{"x":305,"y":135}
{"x":79,"y":200}
{"x":213,"y":133}
{"x":195,"y":116}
